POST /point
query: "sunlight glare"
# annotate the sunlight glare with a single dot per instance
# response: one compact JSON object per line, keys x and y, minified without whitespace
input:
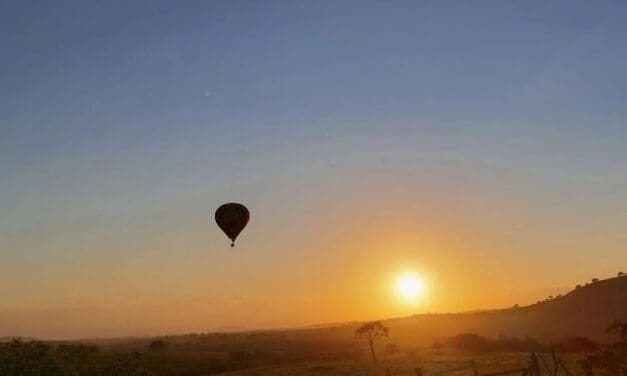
{"x":410,"y":287}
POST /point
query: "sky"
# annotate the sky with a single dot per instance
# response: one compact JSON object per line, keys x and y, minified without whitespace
{"x":480,"y":145}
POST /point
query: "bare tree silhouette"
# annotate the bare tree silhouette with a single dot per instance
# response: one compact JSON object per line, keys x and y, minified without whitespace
{"x":371,"y":332}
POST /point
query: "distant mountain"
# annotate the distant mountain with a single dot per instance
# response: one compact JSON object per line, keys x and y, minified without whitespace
{"x":585,"y":311}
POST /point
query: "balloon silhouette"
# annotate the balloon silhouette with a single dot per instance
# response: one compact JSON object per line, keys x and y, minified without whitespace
{"x":232,"y":218}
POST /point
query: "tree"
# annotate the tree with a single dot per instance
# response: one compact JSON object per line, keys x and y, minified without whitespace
{"x":27,"y":358}
{"x":370,"y":332}
{"x":157,"y":345}
{"x":611,"y":359}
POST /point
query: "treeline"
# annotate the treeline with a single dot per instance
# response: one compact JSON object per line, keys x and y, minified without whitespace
{"x":196,"y":356}
{"x":36,"y":358}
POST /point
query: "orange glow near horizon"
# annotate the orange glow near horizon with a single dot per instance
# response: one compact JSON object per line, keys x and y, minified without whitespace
{"x":319,"y":263}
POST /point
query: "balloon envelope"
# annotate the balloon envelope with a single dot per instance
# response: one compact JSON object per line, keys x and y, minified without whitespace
{"x":232,"y":218}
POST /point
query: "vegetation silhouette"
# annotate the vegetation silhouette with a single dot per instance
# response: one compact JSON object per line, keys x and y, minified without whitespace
{"x":371,"y":332}
{"x":475,"y":343}
{"x":157,"y":345}
{"x":610,"y":359}
{"x":36,"y":358}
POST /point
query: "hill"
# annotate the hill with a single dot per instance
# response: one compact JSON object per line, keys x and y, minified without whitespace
{"x":585,"y":311}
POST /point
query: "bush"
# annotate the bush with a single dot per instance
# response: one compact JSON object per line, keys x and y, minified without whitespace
{"x":27,"y":358}
{"x":390,"y":349}
{"x":475,"y":343}
{"x":437,"y":345}
{"x":610,"y":360}
{"x":156,"y":345}
{"x":575,"y":344}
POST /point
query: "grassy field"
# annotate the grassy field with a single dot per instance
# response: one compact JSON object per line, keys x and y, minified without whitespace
{"x":253,"y":355}
{"x":328,"y":351}
{"x":432,"y":365}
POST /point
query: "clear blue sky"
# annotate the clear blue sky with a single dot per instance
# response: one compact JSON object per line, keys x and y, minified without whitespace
{"x":123,"y":124}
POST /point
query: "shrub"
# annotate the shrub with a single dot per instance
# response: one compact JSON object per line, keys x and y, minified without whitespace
{"x":391,"y":349}
{"x":475,"y":343}
{"x":575,"y":344}
{"x":156,"y":345}
{"x":609,"y":360}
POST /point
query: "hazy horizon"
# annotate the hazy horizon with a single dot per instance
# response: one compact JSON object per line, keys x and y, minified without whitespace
{"x":103,"y":323}
{"x":481,"y":148}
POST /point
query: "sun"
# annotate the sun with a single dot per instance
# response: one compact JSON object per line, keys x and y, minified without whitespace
{"x":410,"y":287}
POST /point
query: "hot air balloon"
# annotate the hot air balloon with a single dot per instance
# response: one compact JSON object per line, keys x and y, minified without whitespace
{"x":232,"y":218}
